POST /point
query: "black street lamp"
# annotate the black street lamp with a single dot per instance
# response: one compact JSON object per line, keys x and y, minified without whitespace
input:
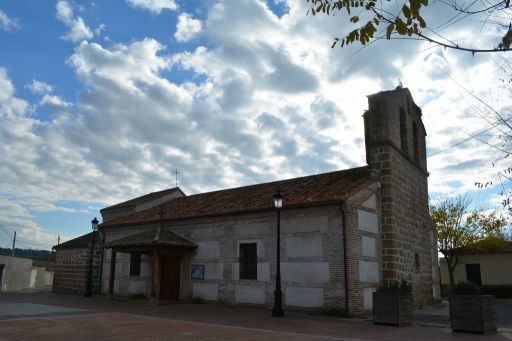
{"x":278,"y":294}
{"x":88,"y":289}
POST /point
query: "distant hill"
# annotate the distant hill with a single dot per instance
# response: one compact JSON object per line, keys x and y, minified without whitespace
{"x":29,"y":253}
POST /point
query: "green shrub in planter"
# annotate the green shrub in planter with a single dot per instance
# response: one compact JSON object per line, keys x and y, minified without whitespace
{"x":392,"y":303}
{"x":467,"y":288}
{"x":472,"y":312}
{"x":499,"y":291}
{"x":197,"y":300}
{"x":395,"y":287}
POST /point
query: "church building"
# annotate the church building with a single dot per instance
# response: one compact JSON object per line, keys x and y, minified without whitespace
{"x":342,"y":233}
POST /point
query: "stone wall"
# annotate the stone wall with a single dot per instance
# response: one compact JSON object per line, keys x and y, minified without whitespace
{"x":72,"y":268}
{"x":408,"y":236}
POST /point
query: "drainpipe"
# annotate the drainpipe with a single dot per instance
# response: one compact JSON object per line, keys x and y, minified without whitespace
{"x":101,"y":261}
{"x":345,"y":262}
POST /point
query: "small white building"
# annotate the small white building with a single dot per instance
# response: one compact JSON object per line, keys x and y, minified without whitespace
{"x":15,"y":273}
{"x":18,"y":273}
{"x":486,"y":268}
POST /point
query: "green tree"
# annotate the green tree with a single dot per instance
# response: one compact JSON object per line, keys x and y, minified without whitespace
{"x":460,"y":229}
{"x":403,"y":19}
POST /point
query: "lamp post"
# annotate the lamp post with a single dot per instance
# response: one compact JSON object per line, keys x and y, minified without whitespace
{"x":88,"y":289}
{"x":278,"y":294}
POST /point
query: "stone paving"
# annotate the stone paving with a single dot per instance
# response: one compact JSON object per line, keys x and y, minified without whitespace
{"x":99,"y":319}
{"x":28,"y":309}
{"x":135,"y":327}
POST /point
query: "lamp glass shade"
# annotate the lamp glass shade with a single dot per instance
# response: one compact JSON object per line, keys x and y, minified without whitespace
{"x":278,"y":199}
{"x":94,"y":224}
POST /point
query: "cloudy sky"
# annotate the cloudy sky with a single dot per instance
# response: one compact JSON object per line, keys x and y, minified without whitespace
{"x":100,"y":101}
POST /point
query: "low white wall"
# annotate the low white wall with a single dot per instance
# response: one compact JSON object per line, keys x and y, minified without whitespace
{"x":305,"y":272}
{"x":304,"y":297}
{"x":250,"y":294}
{"x":16,"y":274}
{"x":206,"y":291}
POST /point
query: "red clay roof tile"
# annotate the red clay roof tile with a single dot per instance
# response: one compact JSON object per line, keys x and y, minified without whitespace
{"x":143,"y":199}
{"x":304,"y":191}
{"x":153,"y":237}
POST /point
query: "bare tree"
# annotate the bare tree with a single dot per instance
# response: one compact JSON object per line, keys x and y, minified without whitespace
{"x":497,"y":135}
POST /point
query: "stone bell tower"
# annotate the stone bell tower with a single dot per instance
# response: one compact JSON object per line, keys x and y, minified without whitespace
{"x":396,"y":150}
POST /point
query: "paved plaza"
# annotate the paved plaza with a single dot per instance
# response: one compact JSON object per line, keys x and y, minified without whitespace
{"x":47,"y":316}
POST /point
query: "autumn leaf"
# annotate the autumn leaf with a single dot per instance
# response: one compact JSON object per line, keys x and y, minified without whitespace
{"x":389,"y":30}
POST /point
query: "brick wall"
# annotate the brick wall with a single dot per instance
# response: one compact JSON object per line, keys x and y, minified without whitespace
{"x":219,"y":239}
{"x":355,"y":234}
{"x":226,"y":233}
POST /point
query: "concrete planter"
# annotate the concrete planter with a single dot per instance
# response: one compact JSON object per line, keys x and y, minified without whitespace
{"x":392,"y":308}
{"x":473,"y":313}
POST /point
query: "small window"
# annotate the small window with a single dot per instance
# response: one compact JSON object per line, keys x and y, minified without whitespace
{"x":415,"y":142}
{"x":248,"y":261}
{"x":403,"y":131}
{"x":135,"y":264}
{"x":417,"y":261}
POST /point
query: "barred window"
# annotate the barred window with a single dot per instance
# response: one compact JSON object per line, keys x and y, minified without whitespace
{"x":135,"y":264}
{"x":248,"y":261}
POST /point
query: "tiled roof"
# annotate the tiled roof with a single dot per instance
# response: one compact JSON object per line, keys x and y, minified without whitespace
{"x":304,"y":191}
{"x":155,"y":237}
{"x":78,"y":242}
{"x":143,"y":199}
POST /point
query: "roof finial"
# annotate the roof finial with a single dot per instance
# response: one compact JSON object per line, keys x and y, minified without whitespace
{"x":176,"y":173}
{"x":400,"y":85}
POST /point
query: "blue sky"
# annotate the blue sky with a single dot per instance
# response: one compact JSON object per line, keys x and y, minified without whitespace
{"x":101,"y":100}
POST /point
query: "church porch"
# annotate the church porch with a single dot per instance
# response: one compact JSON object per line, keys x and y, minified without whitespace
{"x":168,"y":256}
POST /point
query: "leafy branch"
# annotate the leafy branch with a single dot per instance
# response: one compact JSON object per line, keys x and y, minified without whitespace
{"x":407,"y":23}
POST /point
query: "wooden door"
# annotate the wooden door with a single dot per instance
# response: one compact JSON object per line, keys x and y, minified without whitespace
{"x":170,"y":276}
{"x":473,"y":273}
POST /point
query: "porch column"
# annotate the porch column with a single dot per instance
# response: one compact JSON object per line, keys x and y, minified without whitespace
{"x":155,"y":277}
{"x":112,"y":274}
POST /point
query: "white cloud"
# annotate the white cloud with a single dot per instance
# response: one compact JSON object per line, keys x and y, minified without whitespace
{"x":267,"y":99}
{"x":187,"y":28}
{"x":39,"y":88}
{"x":54,"y":100}
{"x":155,"y":6}
{"x":28,"y":233}
{"x":7,"y":23}
{"x":9,"y":104}
{"x":99,"y":29}
{"x":78,"y":30}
